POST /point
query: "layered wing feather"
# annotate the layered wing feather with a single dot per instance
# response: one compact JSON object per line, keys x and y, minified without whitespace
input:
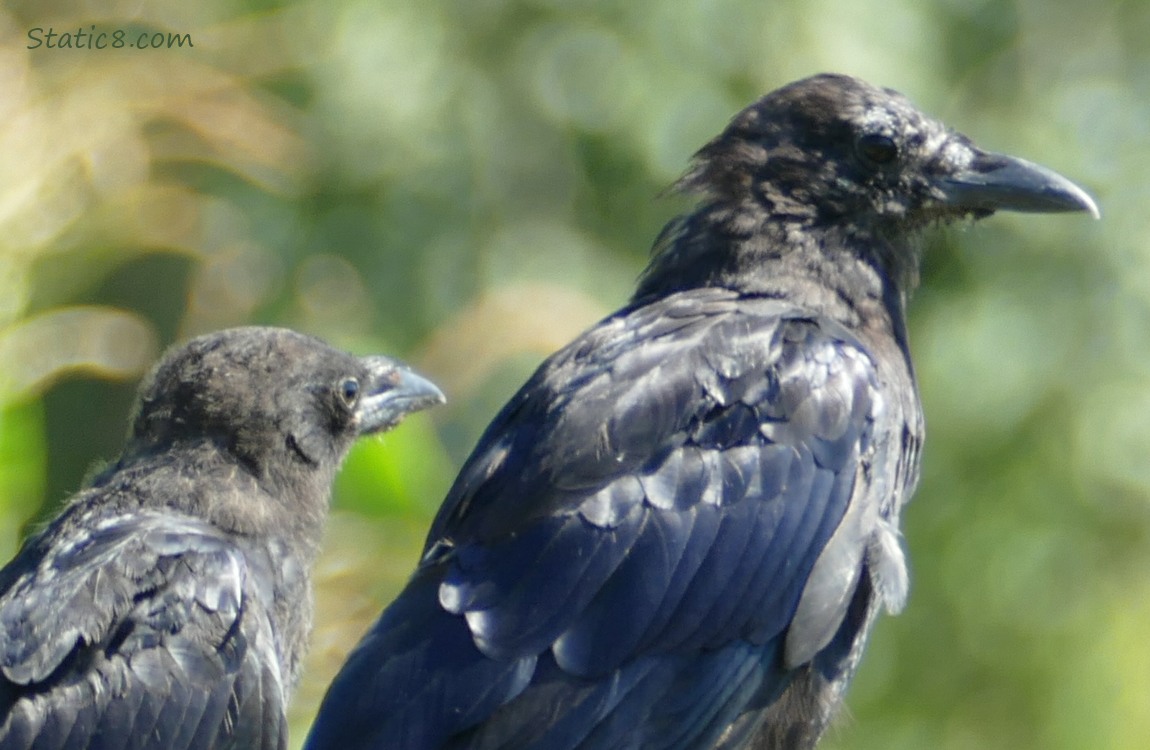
{"x":668,"y":519}
{"x":136,"y":631}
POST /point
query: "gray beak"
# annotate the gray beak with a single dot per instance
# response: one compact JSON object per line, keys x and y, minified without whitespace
{"x":996,"y":182}
{"x":393,"y":391}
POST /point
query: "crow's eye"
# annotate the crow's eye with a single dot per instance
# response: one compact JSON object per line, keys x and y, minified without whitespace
{"x":349,"y":391}
{"x":877,"y":149}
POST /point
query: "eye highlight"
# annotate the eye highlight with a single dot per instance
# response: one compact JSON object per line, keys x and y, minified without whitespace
{"x":349,"y":391}
{"x":876,"y":148}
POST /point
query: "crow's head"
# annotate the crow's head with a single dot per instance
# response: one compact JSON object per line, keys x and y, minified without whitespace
{"x":275,"y":399}
{"x":833,"y":166}
{"x":832,"y":148}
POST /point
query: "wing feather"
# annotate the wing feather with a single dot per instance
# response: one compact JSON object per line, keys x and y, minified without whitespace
{"x":136,"y":626}
{"x":667,"y":518}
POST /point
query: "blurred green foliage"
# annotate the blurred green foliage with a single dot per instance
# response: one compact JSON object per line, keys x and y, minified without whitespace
{"x":468,"y":183}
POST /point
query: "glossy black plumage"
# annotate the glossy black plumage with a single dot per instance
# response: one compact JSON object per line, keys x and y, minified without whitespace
{"x":168,"y":605}
{"x":679,"y":531}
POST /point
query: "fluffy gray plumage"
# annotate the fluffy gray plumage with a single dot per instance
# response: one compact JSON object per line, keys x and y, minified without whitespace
{"x":168,"y":605}
{"x":678,"y":533}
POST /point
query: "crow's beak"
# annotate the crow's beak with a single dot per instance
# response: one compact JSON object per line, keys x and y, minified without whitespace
{"x":393,"y":391}
{"x":996,"y":182}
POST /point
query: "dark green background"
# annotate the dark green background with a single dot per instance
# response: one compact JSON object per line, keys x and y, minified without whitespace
{"x":468,"y":183}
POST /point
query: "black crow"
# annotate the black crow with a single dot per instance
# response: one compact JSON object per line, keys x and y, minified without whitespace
{"x":678,"y":533}
{"x":168,"y":606}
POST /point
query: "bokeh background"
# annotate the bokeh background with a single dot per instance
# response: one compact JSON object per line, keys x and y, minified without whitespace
{"x":469,"y":183}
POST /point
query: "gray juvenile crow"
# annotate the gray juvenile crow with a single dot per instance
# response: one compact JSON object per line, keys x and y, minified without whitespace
{"x":678,"y":533}
{"x":168,"y":606}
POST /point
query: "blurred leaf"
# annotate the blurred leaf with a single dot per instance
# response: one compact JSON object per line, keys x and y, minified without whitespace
{"x":22,"y":468}
{"x":512,"y":320}
{"x":401,"y":473}
{"x":100,"y":341}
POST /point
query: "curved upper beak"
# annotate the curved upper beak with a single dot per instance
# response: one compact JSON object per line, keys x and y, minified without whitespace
{"x":393,"y":391}
{"x":997,"y":182}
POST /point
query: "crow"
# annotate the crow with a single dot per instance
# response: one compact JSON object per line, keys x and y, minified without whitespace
{"x":168,"y":605}
{"x":679,"y":532}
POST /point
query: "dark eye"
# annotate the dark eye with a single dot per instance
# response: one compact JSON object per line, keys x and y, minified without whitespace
{"x":349,"y":391}
{"x":877,"y":149}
